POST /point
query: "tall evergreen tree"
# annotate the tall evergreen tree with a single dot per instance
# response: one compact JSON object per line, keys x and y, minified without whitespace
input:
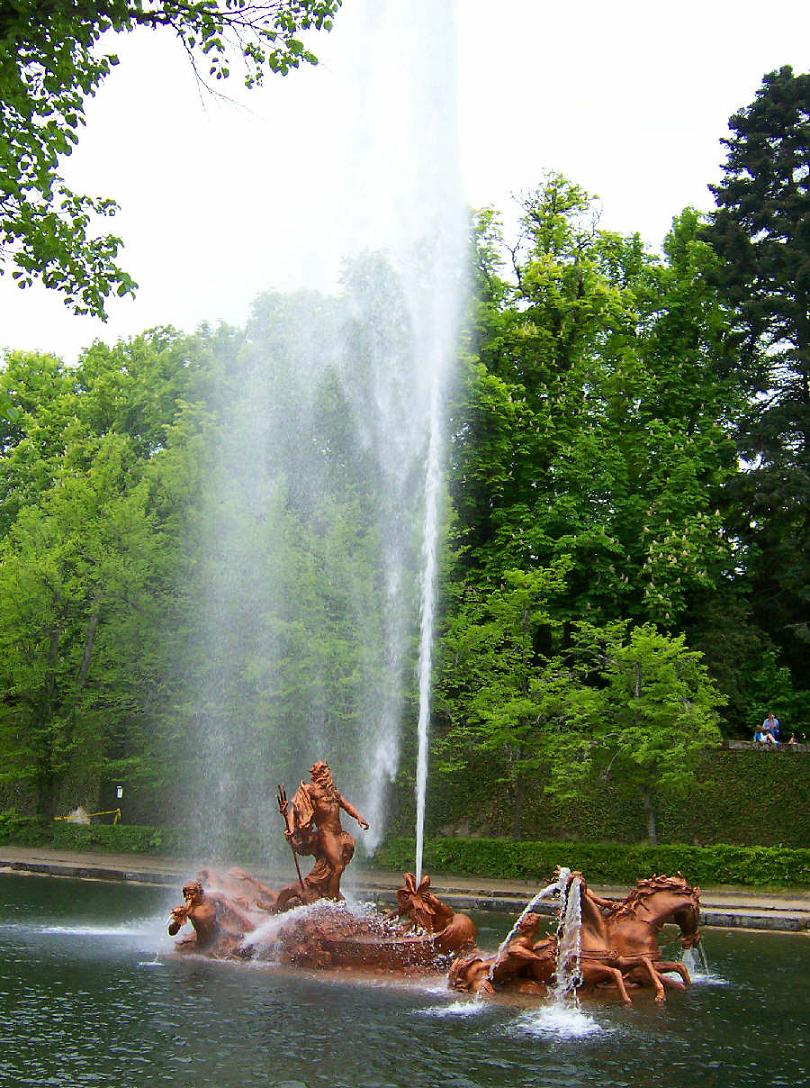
{"x":761,"y":231}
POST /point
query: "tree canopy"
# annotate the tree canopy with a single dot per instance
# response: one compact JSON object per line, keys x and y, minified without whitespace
{"x":52,"y":59}
{"x":625,"y":559}
{"x":761,"y":232}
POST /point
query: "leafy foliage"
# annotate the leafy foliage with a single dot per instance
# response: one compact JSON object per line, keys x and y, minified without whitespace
{"x":653,"y":711}
{"x":634,"y":700}
{"x":604,"y":600}
{"x":22,"y":830}
{"x":595,"y":415}
{"x":611,"y":863}
{"x":85,"y":563}
{"x":761,"y":232}
{"x":51,"y":61}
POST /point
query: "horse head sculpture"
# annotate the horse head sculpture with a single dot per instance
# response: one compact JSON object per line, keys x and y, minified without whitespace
{"x":657,"y":900}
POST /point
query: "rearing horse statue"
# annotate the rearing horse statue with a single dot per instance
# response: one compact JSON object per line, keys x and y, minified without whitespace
{"x":599,"y":958}
{"x":635,"y":923}
{"x":620,"y":938}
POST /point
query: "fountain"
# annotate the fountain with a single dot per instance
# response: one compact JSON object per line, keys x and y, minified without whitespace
{"x":99,"y":1000}
{"x":321,"y":530}
{"x":309,"y":923}
{"x":321,"y":513}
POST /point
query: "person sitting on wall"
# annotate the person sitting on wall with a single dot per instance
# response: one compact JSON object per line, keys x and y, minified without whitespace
{"x":771,"y":725}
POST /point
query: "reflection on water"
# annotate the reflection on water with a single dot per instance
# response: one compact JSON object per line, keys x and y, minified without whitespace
{"x":90,"y":996}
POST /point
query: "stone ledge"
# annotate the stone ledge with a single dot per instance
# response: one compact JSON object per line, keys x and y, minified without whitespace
{"x":766,"y":916}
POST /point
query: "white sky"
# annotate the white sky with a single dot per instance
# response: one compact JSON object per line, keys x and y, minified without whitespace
{"x":222,"y":201}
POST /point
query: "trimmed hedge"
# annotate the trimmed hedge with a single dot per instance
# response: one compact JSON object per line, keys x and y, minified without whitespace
{"x":22,"y":830}
{"x":755,"y":866}
{"x":118,"y":838}
{"x":239,"y":846}
{"x":140,"y":839}
{"x":601,"y":862}
{"x":742,"y":797}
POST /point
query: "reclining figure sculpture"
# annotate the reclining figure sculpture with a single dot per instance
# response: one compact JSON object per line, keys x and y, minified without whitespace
{"x":524,"y":965}
{"x":219,"y":923}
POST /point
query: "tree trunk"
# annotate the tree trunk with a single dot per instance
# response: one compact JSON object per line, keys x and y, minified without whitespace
{"x":649,"y":809}
{"x":46,"y":797}
{"x":517,"y":811}
{"x":45,"y":777}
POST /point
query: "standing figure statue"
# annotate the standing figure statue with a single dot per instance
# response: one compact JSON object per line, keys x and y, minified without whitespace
{"x":312,"y":827}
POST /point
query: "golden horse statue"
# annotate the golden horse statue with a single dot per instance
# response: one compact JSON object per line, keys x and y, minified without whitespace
{"x":619,"y":939}
{"x":618,"y":943}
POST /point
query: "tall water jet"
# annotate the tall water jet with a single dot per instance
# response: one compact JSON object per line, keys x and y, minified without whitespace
{"x":320,"y":526}
{"x":569,"y":942}
{"x":427,"y":618}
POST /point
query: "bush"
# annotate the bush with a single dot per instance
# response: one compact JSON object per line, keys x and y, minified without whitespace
{"x":601,"y":862}
{"x":117,"y":838}
{"x":23,"y":830}
{"x":139,"y":839}
{"x":755,"y":866}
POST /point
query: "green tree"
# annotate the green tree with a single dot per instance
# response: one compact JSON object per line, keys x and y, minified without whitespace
{"x":39,"y":390}
{"x":761,"y":232}
{"x":95,"y":473}
{"x":652,"y":709}
{"x":74,"y":566}
{"x":491,"y":653}
{"x":52,"y":58}
{"x":594,"y":421}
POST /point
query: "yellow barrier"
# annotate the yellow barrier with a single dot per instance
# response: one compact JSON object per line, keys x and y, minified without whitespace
{"x":116,"y":812}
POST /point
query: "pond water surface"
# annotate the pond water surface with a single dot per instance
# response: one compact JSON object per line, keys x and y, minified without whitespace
{"x":90,"y":995}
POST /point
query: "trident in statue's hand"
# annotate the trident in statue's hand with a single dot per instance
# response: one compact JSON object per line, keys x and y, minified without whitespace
{"x":281,"y":797}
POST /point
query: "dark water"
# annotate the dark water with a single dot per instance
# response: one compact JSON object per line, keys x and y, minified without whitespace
{"x":89,"y":997}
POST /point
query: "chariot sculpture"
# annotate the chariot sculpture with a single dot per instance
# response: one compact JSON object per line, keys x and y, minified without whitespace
{"x":309,"y":924}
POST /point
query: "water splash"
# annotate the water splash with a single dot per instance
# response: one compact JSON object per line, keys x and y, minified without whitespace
{"x":696,"y":962}
{"x":559,"y":1021}
{"x":461,"y":1010}
{"x":265,"y":935}
{"x":125,"y":929}
{"x":695,"y":959}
